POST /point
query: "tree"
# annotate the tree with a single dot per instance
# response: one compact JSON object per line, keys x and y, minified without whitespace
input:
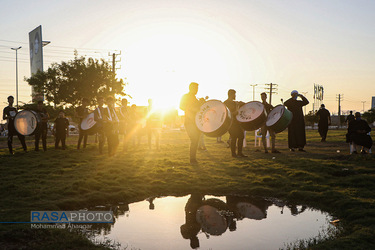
{"x":369,"y":115}
{"x":67,"y":83}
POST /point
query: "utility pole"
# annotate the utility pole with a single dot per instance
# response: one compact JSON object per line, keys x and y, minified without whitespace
{"x":304,"y":94}
{"x":271,"y":89}
{"x":253,"y":85}
{"x":363,"y":103}
{"x":339,"y":98}
{"x":114,"y":61}
{"x":16,"y":49}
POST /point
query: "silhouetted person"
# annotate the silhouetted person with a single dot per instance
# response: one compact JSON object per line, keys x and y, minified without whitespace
{"x":190,"y":104}
{"x":153,"y":125}
{"x":124,"y":119}
{"x":268,"y":107}
{"x":235,"y":130}
{"x":111,"y":127}
{"x":324,"y":122}
{"x":81,"y":112}
{"x":61,"y":130}
{"x":99,"y":118}
{"x":43,"y":127}
{"x":349,"y":118}
{"x":296,"y":129}
{"x":9,"y":113}
{"x":358,"y":134}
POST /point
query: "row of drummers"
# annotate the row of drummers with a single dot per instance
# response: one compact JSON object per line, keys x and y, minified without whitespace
{"x":214,"y":118}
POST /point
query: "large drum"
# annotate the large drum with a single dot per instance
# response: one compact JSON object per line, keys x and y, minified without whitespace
{"x":89,"y":125}
{"x":279,"y":119}
{"x":251,"y":116}
{"x":27,"y":122}
{"x":213,"y":118}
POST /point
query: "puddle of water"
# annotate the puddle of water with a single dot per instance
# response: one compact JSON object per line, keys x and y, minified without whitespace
{"x":208,"y":222}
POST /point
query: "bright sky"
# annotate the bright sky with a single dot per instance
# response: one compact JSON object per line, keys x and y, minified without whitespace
{"x":220,"y":44}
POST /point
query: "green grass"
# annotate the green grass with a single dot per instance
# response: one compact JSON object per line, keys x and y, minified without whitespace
{"x":338,"y":183}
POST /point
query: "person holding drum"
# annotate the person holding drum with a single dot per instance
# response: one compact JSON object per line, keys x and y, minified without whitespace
{"x":296,"y":129}
{"x":190,"y":104}
{"x":9,"y":114}
{"x":43,"y":129}
{"x":268,"y":107}
{"x":81,"y":112}
{"x":235,"y":130}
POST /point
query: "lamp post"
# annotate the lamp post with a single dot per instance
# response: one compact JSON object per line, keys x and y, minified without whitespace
{"x":253,"y":85}
{"x":16,"y":49}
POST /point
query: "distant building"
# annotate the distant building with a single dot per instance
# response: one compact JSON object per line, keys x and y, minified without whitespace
{"x":373,"y":103}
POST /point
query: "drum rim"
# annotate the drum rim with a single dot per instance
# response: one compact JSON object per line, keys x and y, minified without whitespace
{"x":255,"y":118}
{"x":227,"y":112}
{"x":283,"y":111}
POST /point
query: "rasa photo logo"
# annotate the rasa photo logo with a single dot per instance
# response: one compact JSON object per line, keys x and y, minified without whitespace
{"x":71,"y":217}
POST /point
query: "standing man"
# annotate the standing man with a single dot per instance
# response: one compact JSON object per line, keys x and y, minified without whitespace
{"x":112,"y":127}
{"x":81,"y":112}
{"x":296,"y":129}
{"x":190,"y":104}
{"x":268,"y":107}
{"x":61,"y":129}
{"x":100,"y":118}
{"x":124,"y":119}
{"x":236,"y":132}
{"x":43,"y":128}
{"x":9,"y":113}
{"x":349,"y":118}
{"x":324,"y":122}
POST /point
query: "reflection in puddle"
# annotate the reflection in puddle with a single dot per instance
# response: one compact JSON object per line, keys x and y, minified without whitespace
{"x":208,"y":222}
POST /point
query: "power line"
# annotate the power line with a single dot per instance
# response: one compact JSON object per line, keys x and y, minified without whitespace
{"x":271,"y":89}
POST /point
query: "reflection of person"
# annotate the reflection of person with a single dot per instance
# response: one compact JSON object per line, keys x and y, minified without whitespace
{"x":268,"y":107}
{"x":42,"y":130}
{"x":81,"y":112}
{"x":191,"y":227}
{"x":61,"y":129}
{"x":153,"y":125}
{"x":324,"y":122}
{"x":9,"y":114}
{"x":296,"y":129}
{"x":358,"y":134}
{"x":235,"y":130}
{"x":99,"y":114}
{"x":190,"y":104}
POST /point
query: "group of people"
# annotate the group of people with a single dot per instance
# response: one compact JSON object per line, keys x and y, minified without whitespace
{"x":109,"y":124}
{"x":296,"y":129}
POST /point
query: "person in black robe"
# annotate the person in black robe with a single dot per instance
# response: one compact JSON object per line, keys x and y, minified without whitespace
{"x":9,"y":113}
{"x":358,"y":134}
{"x":61,"y":129}
{"x":324,"y":122}
{"x":236,"y":131}
{"x":43,"y":128}
{"x":296,"y":129}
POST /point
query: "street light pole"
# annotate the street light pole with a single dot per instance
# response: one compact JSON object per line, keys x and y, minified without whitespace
{"x":16,"y":49}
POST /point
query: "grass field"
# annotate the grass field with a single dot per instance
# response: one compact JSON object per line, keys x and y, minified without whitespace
{"x":325,"y":177}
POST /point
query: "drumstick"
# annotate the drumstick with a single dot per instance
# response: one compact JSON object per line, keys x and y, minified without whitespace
{"x":282,"y":101}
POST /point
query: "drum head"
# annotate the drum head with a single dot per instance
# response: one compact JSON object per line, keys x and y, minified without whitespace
{"x":248,"y":210}
{"x":275,"y":115}
{"x":88,"y":122}
{"x":211,"y":116}
{"x":211,"y":220}
{"x":26,"y":122}
{"x":250,"y":111}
